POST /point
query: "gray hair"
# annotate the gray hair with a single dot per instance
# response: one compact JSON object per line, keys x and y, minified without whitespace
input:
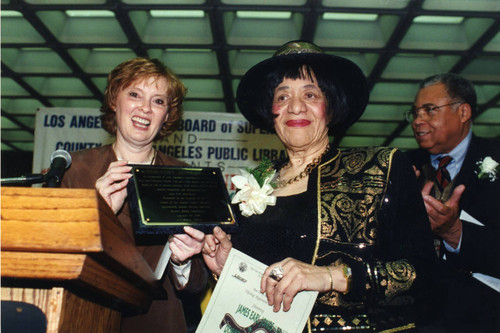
{"x":457,"y":87}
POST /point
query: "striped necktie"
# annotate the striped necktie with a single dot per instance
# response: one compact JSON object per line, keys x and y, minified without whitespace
{"x":442,"y":174}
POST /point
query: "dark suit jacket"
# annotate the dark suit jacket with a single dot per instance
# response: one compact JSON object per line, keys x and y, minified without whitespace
{"x":472,"y":306}
{"x":164,"y":315}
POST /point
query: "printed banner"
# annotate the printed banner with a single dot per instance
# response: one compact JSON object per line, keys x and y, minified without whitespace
{"x":204,"y":139}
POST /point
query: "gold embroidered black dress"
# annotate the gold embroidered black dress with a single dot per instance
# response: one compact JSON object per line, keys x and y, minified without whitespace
{"x":361,"y":207}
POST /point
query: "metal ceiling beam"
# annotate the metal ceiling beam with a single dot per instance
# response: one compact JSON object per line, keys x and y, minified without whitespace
{"x":310,"y":20}
{"x":219,"y":38}
{"x":494,"y":101}
{"x":476,"y":49}
{"x":7,"y":72}
{"x":8,"y":143}
{"x":389,"y":50}
{"x":135,"y":43}
{"x":52,"y":42}
{"x":22,"y":126}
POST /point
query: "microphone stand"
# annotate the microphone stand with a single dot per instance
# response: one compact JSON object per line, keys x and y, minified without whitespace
{"x":52,"y":181}
{"x":27,"y":180}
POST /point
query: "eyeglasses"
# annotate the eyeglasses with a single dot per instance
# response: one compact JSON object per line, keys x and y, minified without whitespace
{"x":428,"y":110}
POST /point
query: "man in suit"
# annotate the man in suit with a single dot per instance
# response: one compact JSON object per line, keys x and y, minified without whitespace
{"x":463,"y":204}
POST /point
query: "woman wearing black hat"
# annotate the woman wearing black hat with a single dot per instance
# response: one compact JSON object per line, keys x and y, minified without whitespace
{"x":350,"y":224}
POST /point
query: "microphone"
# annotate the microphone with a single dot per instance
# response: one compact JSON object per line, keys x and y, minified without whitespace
{"x":60,"y":160}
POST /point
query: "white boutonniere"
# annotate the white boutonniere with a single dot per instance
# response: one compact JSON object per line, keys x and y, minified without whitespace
{"x":488,"y":168}
{"x":255,"y":189}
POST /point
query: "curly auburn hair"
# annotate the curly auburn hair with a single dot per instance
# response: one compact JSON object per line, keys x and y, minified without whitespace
{"x":137,"y":69}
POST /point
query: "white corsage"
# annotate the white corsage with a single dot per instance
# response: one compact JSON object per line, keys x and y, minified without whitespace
{"x":255,"y":189}
{"x":488,"y":168}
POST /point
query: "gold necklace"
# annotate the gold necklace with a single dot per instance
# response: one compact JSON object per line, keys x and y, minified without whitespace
{"x":153,"y":160}
{"x":307,"y":170}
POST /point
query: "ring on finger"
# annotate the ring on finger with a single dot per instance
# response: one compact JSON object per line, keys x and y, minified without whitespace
{"x":277,"y":273}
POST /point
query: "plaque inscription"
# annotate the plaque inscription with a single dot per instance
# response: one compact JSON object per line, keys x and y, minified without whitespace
{"x":165,"y":199}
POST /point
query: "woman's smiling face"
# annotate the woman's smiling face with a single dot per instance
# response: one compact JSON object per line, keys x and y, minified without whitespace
{"x":141,"y":109}
{"x":299,"y":108}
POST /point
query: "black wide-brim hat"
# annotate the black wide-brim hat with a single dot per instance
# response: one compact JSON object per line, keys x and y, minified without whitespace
{"x":343,"y":73}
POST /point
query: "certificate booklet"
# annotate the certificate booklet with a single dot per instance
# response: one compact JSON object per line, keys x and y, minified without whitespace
{"x":237,"y":305}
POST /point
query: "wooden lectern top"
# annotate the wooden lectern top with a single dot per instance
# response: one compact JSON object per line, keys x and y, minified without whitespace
{"x":71,"y":236}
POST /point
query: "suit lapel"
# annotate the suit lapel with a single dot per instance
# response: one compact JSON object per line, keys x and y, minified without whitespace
{"x":467,"y":171}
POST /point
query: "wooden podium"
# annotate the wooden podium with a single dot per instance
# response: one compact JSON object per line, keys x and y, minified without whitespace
{"x":64,"y":251}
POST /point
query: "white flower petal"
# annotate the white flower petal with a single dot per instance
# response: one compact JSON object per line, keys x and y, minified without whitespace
{"x":240,"y":181}
{"x":489,"y":164}
{"x":253,"y":182}
{"x":271,"y":200}
{"x":252,"y":198}
{"x":246,"y":209}
{"x":267,"y":189}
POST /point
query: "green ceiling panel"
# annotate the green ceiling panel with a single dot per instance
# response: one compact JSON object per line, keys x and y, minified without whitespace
{"x":242,"y":60}
{"x":234,"y":86}
{"x":483,"y":69}
{"x":494,"y":44}
{"x":445,"y":36}
{"x":100,"y":82}
{"x":4,"y":146}
{"x":405,"y":143}
{"x":407,"y":132}
{"x":76,"y":103}
{"x":100,"y":61}
{"x":487,"y":131}
{"x":362,"y":128}
{"x":164,"y":2}
{"x":365,"y":61}
{"x":263,"y":31}
{"x":83,"y":29}
{"x":411,"y":66}
{"x":489,"y":117}
{"x":11,"y":88}
{"x":355,"y":33}
{"x":394,"y":92}
{"x":383,"y":4}
{"x":384,"y":112}
{"x":66,"y":2}
{"x":34,"y":60}
{"x":486,"y":92}
{"x":15,"y":29}
{"x":20,"y":106}
{"x":463,"y":5}
{"x":184,"y":62}
{"x":361,"y":141}
{"x":204,"y":88}
{"x":171,"y":30}
{"x":204,"y":106}
{"x":264,"y":2}
{"x":28,"y":121}
{"x":8,"y":124}
{"x":63,"y":86}
{"x":26,"y":146}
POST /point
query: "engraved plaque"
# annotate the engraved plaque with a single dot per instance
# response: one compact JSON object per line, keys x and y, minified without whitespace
{"x":164,"y":199}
